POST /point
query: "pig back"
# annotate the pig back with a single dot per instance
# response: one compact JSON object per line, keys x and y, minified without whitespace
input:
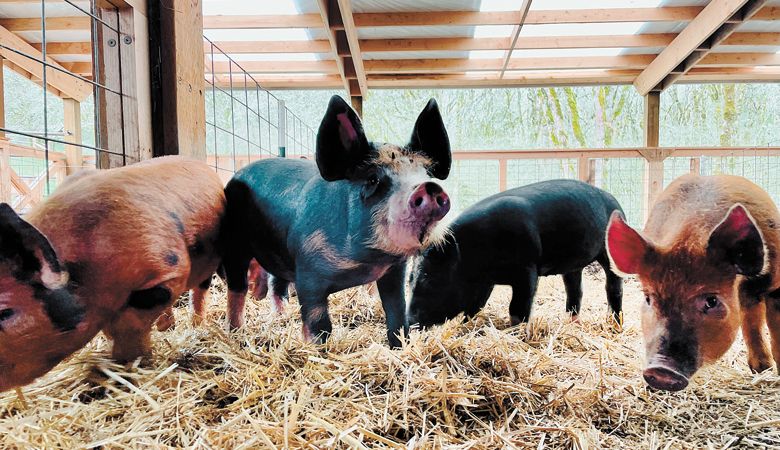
{"x":136,"y":225}
{"x":558,"y":225}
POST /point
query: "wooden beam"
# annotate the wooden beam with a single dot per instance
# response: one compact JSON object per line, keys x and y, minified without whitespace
{"x":262,"y":21}
{"x":739,"y":60}
{"x":654,"y":170}
{"x":318,"y":46}
{"x":287,"y":81}
{"x":66,"y":48}
{"x":68,"y":85}
{"x":721,"y":34}
{"x":350,"y":31}
{"x":52,"y":23}
{"x":466,"y":65}
{"x":322,"y":66}
{"x":329,"y":19}
{"x":2,"y":98}
{"x":72,"y":129}
{"x":178,"y":102}
{"x":515,"y":35}
{"x":715,"y":14}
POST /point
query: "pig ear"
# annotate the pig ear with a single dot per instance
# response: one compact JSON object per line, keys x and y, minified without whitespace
{"x":625,"y":246}
{"x":429,"y":138}
{"x":27,"y":251}
{"x":341,"y":144}
{"x":737,"y":241}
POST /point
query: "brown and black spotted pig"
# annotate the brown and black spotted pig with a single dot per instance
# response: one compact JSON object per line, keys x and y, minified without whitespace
{"x":109,"y":251}
{"x":707,"y":261}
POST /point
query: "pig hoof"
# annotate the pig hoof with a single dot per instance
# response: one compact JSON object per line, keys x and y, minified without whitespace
{"x":575,"y":318}
{"x":165,"y":322}
{"x":278,"y":305}
{"x":759,"y":365}
{"x":197,"y":319}
{"x":515,"y":320}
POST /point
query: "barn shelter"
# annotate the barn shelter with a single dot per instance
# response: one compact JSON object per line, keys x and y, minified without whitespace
{"x":104,"y":83}
{"x":124,"y":58}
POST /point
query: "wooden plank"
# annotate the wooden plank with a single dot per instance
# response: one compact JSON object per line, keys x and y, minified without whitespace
{"x":739,"y":60}
{"x":350,"y":31}
{"x":2,"y":98}
{"x":615,"y":15}
{"x":463,"y":64}
{"x":752,"y":39}
{"x":715,"y":14}
{"x":321,"y":66}
{"x":286,"y":81}
{"x":262,"y":21}
{"x":654,"y":169}
{"x":178,"y":104}
{"x":328,"y":18}
{"x":515,"y":35}
{"x":318,"y":46}
{"x":66,"y":48}
{"x":52,"y":23}
{"x":62,"y":82}
{"x":6,"y":189}
{"x":72,"y":129}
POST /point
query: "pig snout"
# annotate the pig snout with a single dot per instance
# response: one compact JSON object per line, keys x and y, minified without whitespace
{"x":663,"y":375}
{"x":429,"y":202}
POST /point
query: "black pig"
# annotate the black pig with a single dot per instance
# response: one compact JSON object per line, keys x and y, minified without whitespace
{"x":354,"y":217}
{"x":512,"y":238}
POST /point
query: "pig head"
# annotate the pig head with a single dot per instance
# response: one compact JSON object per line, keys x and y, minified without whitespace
{"x":691,"y":311}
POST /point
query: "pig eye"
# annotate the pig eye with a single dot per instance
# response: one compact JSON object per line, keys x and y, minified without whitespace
{"x":647,"y":299}
{"x":6,"y":314}
{"x":710,"y":302}
{"x":373,"y":180}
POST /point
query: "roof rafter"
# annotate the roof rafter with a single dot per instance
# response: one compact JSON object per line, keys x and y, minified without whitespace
{"x":706,"y":25}
{"x":516,"y":34}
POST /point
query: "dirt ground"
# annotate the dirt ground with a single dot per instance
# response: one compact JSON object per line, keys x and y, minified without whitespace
{"x":479,"y":384}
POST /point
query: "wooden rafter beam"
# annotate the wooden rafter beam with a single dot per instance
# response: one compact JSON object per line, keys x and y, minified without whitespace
{"x":616,"y":15}
{"x":318,"y":46}
{"x":321,"y":66}
{"x":52,"y":23}
{"x":519,"y":78}
{"x":703,"y":27}
{"x":350,"y":33}
{"x":328,"y":18}
{"x":515,"y":34}
{"x":718,"y":37}
{"x":67,"y":85}
{"x":262,"y":21}
{"x":427,"y":66}
{"x":66,"y":48}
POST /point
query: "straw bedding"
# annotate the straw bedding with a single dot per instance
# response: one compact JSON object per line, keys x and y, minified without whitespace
{"x":480,"y":384}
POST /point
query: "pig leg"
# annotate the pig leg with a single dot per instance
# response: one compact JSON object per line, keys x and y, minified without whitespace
{"x":279,"y":293}
{"x":573,"y":283}
{"x":131,"y":329}
{"x":166,"y":320}
{"x":198,"y":301}
{"x":523,"y":291}
{"x":773,"y":321}
{"x":236,"y":269}
{"x":753,"y":318}
{"x":614,"y":287}
{"x":258,"y":279}
{"x":391,"y":292}
{"x":314,"y":312}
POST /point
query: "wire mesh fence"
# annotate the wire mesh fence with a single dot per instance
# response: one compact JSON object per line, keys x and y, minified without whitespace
{"x":244,"y":122}
{"x":64,"y":92}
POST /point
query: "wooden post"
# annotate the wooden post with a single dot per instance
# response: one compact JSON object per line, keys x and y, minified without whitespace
{"x":118,"y":116}
{"x":583,"y":168}
{"x":5,"y":171}
{"x":502,"y":163}
{"x":281,"y":128}
{"x":2,"y":97}
{"x":178,"y":65}
{"x":654,"y":171}
{"x":357,"y":105}
{"x":696,"y":166}
{"x":72,"y":121}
